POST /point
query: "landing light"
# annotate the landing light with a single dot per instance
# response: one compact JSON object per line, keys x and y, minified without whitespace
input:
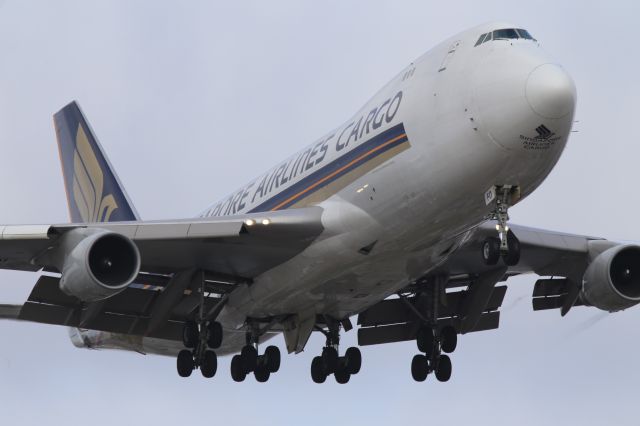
{"x":249,"y":222}
{"x":266,"y":221}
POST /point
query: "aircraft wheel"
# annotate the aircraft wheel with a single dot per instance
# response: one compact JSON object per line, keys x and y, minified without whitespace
{"x":448,"y":339}
{"x":214,"y":338}
{"x":342,"y":375}
{"x":354,"y":360}
{"x":330,"y":359}
{"x":317,"y":370}
{"x":249,"y":356}
{"x":238,"y":373}
{"x":185,"y":363}
{"x":419,"y":368}
{"x":512,"y":257}
{"x":443,"y":370}
{"x":491,"y":251}
{"x":262,"y":373}
{"x":272,"y":358}
{"x":425,"y":340}
{"x":190,"y":334}
{"x":209,"y":364}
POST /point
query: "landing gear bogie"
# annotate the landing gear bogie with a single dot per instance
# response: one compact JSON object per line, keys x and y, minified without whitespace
{"x":433,"y":359}
{"x":197,"y":338}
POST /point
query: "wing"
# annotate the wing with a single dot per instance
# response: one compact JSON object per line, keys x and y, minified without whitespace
{"x":225,"y":245}
{"x":464,"y":292}
{"x":228,"y":251}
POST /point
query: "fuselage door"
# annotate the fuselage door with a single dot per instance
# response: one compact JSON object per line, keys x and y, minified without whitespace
{"x":449,"y":55}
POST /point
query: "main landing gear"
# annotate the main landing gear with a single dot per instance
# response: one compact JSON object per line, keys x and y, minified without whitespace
{"x":200,"y":340}
{"x":248,"y":361}
{"x":506,"y":245}
{"x":432,"y":342}
{"x":330,"y":361}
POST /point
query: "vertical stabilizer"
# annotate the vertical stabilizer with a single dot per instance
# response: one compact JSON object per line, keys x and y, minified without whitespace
{"x":94,"y":192}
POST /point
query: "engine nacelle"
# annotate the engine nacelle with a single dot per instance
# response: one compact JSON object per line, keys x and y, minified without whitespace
{"x":612,"y":280}
{"x":99,"y":266}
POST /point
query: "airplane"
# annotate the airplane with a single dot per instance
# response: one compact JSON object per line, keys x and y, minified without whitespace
{"x":398,"y":219}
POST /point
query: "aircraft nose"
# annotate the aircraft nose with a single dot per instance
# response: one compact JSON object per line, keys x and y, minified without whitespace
{"x":550,"y":91}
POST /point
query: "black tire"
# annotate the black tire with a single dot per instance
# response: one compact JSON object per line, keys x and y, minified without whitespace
{"x":214,"y":336}
{"x":443,"y":370}
{"x":249,"y":356}
{"x":330,"y":359}
{"x":425,"y":340}
{"x":262,"y":373}
{"x":512,"y":257}
{"x":491,"y":251}
{"x":419,"y":368}
{"x":354,"y":360}
{"x":190,"y":334}
{"x":209,"y":364}
{"x":317,"y":370}
{"x":237,"y":369}
{"x":342,"y":376}
{"x":185,"y":363}
{"x":272,"y":358}
{"x":448,"y":339}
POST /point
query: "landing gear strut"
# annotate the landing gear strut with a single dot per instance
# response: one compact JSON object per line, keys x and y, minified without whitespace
{"x":330,"y":361}
{"x":249,"y":361}
{"x":506,"y":245}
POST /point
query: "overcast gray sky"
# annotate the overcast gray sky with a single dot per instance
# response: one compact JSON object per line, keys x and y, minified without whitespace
{"x":193,"y":99}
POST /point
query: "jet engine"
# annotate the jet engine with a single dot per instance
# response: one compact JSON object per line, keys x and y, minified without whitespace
{"x":99,"y":266}
{"x":612,"y":280}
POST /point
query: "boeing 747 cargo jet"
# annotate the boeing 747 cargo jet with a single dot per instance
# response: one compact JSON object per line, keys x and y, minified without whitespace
{"x":395,"y":223}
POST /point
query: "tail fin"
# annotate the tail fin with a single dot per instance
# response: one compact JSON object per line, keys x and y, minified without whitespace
{"x":94,"y":192}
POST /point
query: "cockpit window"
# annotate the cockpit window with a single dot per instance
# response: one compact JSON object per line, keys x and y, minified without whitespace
{"x":525,"y":34}
{"x":505,"y":34}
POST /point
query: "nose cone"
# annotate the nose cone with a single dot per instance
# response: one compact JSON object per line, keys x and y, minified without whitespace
{"x":550,"y":91}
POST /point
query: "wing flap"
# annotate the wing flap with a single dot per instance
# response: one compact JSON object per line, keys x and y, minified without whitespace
{"x":128,"y":312}
{"x":405,"y":332}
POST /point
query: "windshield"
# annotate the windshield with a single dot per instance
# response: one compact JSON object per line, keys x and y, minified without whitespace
{"x":505,"y":34}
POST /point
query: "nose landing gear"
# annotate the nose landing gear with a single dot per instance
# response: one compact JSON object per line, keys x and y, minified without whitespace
{"x":506,"y":245}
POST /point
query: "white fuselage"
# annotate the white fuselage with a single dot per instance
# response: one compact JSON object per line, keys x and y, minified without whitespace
{"x":406,"y":176}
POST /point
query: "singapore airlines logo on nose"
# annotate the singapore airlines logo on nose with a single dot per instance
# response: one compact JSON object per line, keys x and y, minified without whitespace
{"x":88,"y":183}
